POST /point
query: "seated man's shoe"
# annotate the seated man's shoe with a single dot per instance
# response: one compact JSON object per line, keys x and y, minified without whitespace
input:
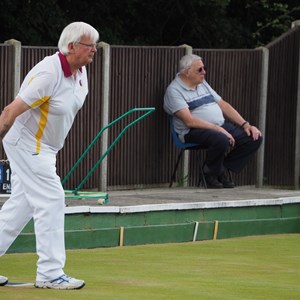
{"x":3,"y":280}
{"x":212,"y":182}
{"x":229,"y":184}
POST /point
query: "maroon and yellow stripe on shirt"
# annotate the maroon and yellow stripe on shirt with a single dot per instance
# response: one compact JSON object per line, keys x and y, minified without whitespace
{"x":43,"y":104}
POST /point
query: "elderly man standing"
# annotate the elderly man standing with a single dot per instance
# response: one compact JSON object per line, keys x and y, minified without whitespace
{"x":34,"y":127}
{"x":199,"y":113}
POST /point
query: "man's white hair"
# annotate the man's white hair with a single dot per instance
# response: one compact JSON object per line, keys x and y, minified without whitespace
{"x":186,"y":61}
{"x":73,"y":32}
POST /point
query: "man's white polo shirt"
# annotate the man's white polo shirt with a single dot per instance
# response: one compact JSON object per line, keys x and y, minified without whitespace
{"x":55,"y":97}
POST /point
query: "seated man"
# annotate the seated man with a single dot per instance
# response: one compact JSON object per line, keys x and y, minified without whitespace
{"x":199,"y":117}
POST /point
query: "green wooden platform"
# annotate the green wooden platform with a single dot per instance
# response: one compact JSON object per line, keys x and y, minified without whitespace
{"x":92,"y":227}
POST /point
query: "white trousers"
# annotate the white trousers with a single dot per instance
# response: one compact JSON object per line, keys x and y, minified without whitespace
{"x":36,"y":193}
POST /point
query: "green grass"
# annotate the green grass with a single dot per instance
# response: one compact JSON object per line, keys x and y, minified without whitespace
{"x":266,"y":267}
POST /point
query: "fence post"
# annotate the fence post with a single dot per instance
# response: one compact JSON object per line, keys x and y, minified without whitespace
{"x":295,"y":23}
{"x":262,"y":114}
{"x":297,"y":137}
{"x":104,"y":112}
{"x":17,"y":65}
{"x":186,"y":154}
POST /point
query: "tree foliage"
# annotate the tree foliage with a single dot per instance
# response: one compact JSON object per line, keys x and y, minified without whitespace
{"x":199,"y":23}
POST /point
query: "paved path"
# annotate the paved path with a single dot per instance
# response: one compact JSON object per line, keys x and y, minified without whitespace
{"x":182,"y":195}
{"x":186,"y":195}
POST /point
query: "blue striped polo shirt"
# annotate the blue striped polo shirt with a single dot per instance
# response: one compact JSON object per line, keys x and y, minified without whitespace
{"x":202,"y":103}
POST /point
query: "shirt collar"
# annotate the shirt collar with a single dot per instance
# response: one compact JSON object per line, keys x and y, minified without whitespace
{"x":65,"y":65}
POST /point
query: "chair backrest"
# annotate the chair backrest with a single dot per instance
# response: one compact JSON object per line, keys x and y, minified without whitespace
{"x":178,"y":143}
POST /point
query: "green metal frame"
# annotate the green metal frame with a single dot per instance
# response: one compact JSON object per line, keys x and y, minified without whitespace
{"x":76,"y":193}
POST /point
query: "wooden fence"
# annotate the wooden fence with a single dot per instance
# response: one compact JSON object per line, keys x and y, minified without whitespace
{"x":263,"y":84}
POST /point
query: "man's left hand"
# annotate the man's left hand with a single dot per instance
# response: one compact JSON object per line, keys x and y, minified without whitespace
{"x":252,"y":130}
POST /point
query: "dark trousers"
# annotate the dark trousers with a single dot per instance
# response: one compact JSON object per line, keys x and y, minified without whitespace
{"x":220,"y":155}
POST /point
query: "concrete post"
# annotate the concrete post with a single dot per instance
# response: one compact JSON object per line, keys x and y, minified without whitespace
{"x":262,"y":115}
{"x":186,"y":154}
{"x":297,"y":137}
{"x":104,"y":111}
{"x":295,"y":23}
{"x":17,"y":65}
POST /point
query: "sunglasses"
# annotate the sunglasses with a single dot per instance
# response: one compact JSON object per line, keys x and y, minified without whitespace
{"x":201,"y":69}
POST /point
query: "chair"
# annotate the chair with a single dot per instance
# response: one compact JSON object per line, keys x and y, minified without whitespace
{"x":185,"y":146}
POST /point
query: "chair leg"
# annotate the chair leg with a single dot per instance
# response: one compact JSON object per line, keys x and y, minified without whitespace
{"x":229,"y":175}
{"x":175,"y":169}
{"x":201,"y":176}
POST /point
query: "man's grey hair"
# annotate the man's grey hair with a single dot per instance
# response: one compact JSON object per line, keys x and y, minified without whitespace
{"x":186,"y":61}
{"x":73,"y":32}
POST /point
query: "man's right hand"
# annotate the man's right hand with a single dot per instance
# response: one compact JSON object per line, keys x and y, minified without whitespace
{"x":230,"y":137}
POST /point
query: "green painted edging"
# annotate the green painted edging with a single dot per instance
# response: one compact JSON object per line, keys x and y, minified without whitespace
{"x":291,"y":210}
{"x":83,"y":221}
{"x":168,"y":233}
{"x":90,"y":230}
{"x":173,"y":216}
{"x":243,"y":213}
{"x":25,"y":242}
{"x":76,"y":239}
{"x":205,"y":231}
{"x":230,"y":229}
{"x":158,"y":234}
{"x":85,"y":239}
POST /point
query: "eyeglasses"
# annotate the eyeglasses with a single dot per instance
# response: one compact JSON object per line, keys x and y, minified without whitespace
{"x":88,"y":45}
{"x":201,"y":69}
